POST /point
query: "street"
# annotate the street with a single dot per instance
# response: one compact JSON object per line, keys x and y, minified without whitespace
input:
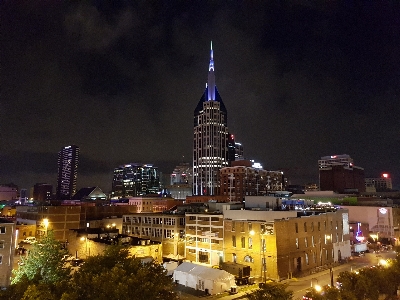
{"x":298,"y":285}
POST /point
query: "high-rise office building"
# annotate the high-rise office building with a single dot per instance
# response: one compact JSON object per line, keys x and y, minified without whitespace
{"x":335,"y":160}
{"x":210,"y":143}
{"x":182,"y":174}
{"x":339,"y":174}
{"x":67,"y":171}
{"x":135,"y":180}
{"x":239,"y":151}
{"x":231,"y":148}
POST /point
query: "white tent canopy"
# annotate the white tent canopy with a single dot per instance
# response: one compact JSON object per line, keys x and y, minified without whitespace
{"x":203,"y":278}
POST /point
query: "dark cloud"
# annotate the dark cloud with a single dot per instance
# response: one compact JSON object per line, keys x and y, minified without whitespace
{"x":120,"y":79}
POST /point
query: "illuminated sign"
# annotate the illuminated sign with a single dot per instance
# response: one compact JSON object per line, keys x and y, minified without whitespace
{"x":383,"y":210}
{"x":385,"y":175}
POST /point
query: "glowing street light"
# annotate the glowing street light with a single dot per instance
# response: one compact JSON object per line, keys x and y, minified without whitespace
{"x":383,"y":262}
{"x":46,"y":224}
{"x":85,"y":239}
{"x":374,"y":236}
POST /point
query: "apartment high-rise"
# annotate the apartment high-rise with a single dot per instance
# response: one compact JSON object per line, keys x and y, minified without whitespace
{"x":67,"y":171}
{"x":210,"y":143}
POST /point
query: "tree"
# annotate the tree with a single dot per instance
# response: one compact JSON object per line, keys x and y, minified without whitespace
{"x":117,"y":275}
{"x":44,"y":263}
{"x":313,"y":294}
{"x":271,"y":291}
{"x":39,"y":292}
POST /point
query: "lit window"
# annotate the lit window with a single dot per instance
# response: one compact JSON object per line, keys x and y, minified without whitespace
{"x":250,"y":243}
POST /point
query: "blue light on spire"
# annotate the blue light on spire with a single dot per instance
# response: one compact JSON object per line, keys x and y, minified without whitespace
{"x":211,"y":66}
{"x":211,"y":77}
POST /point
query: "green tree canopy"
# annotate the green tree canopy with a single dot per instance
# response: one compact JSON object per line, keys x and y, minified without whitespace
{"x":117,"y":275}
{"x":113,"y":275}
{"x":44,"y":262}
{"x":271,"y":291}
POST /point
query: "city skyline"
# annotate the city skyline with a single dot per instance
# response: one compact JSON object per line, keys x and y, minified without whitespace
{"x":300,"y":81}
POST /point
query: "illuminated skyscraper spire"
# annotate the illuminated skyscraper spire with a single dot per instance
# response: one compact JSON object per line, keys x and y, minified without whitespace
{"x":211,"y":77}
{"x":210,"y":152}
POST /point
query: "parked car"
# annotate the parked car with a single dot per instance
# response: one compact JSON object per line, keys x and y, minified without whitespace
{"x":30,"y":240}
{"x":76,"y":262}
{"x":67,"y":257}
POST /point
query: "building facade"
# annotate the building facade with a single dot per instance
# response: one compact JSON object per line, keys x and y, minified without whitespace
{"x":244,"y":179}
{"x":169,"y":229}
{"x":153,"y":204}
{"x":8,"y":192}
{"x":335,"y":160}
{"x":339,"y":174}
{"x":135,"y":180}
{"x":279,"y":248}
{"x":239,"y":154}
{"x":205,"y":238}
{"x":342,"y":179}
{"x":181,"y":182}
{"x":61,"y":219}
{"x":383,"y":221}
{"x":7,"y":248}
{"x":210,"y":142}
{"x":67,"y":171}
{"x":381,"y":184}
{"x":42,"y":192}
{"x":182,"y":174}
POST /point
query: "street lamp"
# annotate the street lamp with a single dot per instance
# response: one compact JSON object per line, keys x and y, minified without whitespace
{"x":85,"y":239}
{"x":318,"y":288}
{"x":46,"y":224}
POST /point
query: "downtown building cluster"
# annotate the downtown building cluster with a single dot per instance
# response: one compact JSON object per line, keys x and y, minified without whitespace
{"x":221,"y":209}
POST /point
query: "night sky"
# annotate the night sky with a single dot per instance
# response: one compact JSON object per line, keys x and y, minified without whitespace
{"x":121,"y":80}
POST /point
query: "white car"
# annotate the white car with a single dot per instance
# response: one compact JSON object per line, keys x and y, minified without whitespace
{"x":30,"y":240}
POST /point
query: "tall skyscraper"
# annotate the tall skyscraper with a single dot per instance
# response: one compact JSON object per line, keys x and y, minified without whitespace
{"x":210,"y":143}
{"x":231,"y":148}
{"x":67,"y":171}
{"x":239,"y":151}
